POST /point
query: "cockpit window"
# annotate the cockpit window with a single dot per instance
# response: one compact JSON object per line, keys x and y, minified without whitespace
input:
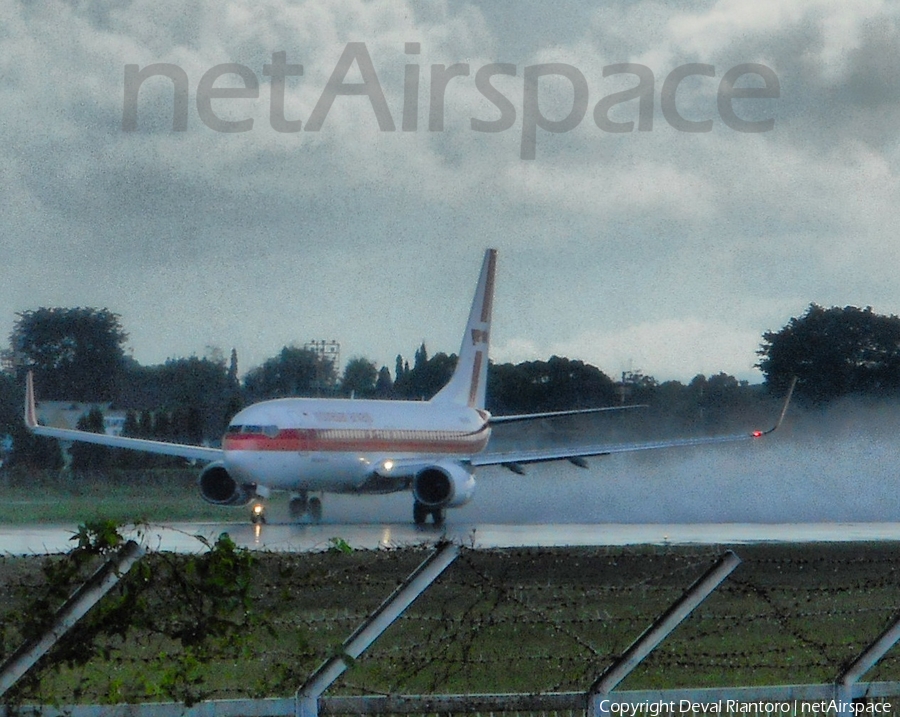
{"x":269,"y":430}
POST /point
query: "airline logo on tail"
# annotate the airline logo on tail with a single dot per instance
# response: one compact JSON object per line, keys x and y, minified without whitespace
{"x":479,"y":337}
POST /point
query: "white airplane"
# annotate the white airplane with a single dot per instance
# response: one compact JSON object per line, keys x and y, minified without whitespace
{"x":315,"y":445}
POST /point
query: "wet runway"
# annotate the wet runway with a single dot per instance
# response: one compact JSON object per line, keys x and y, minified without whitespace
{"x":38,"y":539}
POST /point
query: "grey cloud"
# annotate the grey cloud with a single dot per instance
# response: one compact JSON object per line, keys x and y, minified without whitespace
{"x":600,"y":232}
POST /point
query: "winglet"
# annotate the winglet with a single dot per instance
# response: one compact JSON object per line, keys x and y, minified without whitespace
{"x":30,"y":409}
{"x":784,"y":408}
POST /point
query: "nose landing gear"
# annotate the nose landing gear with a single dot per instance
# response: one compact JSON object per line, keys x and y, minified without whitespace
{"x":258,"y":513}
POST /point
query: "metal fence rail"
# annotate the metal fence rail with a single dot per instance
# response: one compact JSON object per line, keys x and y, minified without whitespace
{"x":840,"y":697}
{"x":572,"y":702}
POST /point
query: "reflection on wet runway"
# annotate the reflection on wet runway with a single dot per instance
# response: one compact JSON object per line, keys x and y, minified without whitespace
{"x":181,"y":537}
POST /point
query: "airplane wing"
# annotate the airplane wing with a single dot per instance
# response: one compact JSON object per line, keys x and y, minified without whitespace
{"x":137,"y":444}
{"x":494,"y":420}
{"x":515,"y":459}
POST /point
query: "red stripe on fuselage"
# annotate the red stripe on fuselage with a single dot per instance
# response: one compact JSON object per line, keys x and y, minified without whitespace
{"x":359,"y":441}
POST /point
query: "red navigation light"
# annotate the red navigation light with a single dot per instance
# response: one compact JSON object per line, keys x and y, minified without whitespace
{"x":756,"y":434}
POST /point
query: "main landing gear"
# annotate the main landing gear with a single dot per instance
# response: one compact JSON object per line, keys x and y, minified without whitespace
{"x":421,"y":513}
{"x":301,"y":504}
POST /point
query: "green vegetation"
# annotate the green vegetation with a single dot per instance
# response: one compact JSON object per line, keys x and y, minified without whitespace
{"x":76,"y":354}
{"x":51,"y":497}
{"x":835,"y":352}
{"x":496,"y":621}
{"x":196,"y":609}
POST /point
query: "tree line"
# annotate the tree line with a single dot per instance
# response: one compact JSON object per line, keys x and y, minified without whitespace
{"x":79,"y":355}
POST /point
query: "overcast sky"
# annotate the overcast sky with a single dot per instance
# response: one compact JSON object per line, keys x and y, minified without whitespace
{"x":665,"y":251}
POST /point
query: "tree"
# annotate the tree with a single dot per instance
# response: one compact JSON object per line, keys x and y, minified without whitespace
{"x":637,"y":388}
{"x":557,"y":384}
{"x":421,"y":358}
{"x":384,"y":386}
{"x":198,"y":393}
{"x":76,"y":354}
{"x":834,"y":352}
{"x":359,"y":378}
{"x":294,"y":372}
{"x":145,"y":425}
{"x":234,"y":402}
{"x":427,"y":377}
{"x":10,"y":404}
{"x":89,"y":456}
{"x":233,"y":370}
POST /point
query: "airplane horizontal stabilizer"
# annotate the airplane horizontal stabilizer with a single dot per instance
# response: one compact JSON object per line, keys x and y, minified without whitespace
{"x":494,"y":420}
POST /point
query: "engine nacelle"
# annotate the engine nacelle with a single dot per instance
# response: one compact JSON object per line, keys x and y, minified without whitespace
{"x":217,"y":486}
{"x":443,"y":486}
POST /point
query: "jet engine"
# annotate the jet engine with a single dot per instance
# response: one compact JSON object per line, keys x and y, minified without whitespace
{"x":443,"y":486}
{"x":217,"y":486}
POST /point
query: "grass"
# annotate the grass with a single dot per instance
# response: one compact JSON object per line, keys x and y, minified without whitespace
{"x":121,"y":495}
{"x":521,"y":620}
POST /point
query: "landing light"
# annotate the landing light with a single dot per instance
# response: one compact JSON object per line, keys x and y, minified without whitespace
{"x":258,"y":513}
{"x":388,"y":465}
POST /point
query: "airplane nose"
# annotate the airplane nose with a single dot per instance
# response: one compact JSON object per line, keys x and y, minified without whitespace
{"x":242,"y":465}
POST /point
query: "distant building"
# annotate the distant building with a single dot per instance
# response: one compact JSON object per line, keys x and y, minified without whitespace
{"x":66,"y":414}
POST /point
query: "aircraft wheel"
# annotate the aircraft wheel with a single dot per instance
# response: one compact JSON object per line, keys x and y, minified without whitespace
{"x":420,"y":513}
{"x":315,"y":509}
{"x":438,"y":515}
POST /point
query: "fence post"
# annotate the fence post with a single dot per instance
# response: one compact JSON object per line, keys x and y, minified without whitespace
{"x":78,"y":604}
{"x":370,"y":630}
{"x":658,"y":631}
{"x":865,"y":661}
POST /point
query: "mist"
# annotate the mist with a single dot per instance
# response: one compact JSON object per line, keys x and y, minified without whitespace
{"x":834,"y":465}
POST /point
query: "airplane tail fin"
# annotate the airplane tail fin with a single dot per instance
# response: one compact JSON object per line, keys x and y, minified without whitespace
{"x":467,"y":385}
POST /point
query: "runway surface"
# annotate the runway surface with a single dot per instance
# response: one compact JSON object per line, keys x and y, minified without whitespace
{"x":39,"y":539}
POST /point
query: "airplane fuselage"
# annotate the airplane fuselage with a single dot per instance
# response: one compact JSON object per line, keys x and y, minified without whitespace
{"x":344,"y":445}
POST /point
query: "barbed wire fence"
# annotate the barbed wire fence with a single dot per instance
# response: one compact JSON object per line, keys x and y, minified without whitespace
{"x":502,"y":625}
